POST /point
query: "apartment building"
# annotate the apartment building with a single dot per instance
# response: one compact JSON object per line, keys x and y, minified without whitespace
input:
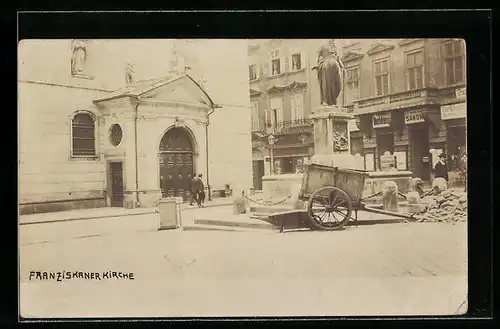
{"x":409,"y":100}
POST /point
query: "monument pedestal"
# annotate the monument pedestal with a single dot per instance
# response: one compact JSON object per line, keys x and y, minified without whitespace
{"x":331,"y":148}
{"x":331,"y":138}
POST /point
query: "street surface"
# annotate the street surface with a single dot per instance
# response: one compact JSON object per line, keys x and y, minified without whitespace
{"x":387,"y":269}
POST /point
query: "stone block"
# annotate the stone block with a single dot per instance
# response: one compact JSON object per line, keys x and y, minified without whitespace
{"x":346,"y":161}
{"x":439,"y":185}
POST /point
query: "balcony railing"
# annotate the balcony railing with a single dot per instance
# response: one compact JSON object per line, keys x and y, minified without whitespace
{"x":294,"y":123}
{"x":392,"y":100}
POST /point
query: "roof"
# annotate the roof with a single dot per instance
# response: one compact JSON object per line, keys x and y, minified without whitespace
{"x":139,"y":88}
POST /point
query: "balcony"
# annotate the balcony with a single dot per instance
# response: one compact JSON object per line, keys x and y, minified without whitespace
{"x":405,"y":99}
{"x":292,"y":126}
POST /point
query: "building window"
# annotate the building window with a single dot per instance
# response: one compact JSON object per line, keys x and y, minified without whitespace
{"x":415,"y":70}
{"x":296,"y":62}
{"x":297,"y":107}
{"x":252,"y":72}
{"x":115,"y":134}
{"x":352,"y":80}
{"x":255,"y":117}
{"x":454,"y":62}
{"x":381,"y":70}
{"x":83,"y":135}
{"x":275,"y":62}
{"x":277,"y":111}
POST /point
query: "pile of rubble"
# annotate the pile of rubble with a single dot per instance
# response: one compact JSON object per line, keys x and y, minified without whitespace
{"x":447,"y":206}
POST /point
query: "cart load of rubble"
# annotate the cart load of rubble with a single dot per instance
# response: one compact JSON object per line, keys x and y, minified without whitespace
{"x":447,"y":206}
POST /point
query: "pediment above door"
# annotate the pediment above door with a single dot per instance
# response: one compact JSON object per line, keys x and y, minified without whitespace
{"x":178,"y":90}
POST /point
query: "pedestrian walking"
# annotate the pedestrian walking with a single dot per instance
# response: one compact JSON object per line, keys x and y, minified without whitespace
{"x":441,"y":169}
{"x":195,"y":188}
{"x":201,"y":193}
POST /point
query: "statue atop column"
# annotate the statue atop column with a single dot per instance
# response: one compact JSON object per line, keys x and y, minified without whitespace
{"x":329,"y":69}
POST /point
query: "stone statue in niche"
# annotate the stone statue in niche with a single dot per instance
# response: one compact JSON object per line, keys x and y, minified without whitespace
{"x":329,"y":69}
{"x":129,"y":73}
{"x":79,"y":56}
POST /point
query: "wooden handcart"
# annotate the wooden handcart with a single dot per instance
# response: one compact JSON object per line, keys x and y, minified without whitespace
{"x":332,"y":195}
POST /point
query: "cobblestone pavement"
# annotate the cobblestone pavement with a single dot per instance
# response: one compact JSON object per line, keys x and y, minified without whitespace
{"x":392,"y":269}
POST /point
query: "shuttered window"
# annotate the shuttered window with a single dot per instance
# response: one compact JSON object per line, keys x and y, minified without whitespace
{"x":381,"y":70}
{"x":454,"y":62}
{"x":415,"y":70}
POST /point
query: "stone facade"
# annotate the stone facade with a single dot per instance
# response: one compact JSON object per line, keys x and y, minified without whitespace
{"x":50,"y":96}
{"x":295,"y":86}
{"x":416,"y":130}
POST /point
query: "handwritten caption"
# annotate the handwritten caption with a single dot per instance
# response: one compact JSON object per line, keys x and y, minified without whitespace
{"x":60,"y":276}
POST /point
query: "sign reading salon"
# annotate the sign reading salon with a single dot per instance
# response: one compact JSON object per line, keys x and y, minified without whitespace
{"x":414,"y":116}
{"x":381,"y":120}
{"x":453,"y":111}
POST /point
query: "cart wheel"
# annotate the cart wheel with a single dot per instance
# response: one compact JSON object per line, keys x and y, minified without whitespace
{"x":329,"y":208}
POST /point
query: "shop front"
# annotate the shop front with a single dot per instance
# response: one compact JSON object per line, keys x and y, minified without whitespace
{"x":454,"y":118}
{"x":291,"y":160}
{"x":384,"y":137}
{"x":401,"y":139}
{"x":418,"y":137}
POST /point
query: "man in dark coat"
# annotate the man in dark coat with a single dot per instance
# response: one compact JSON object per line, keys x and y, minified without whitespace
{"x":195,"y":188}
{"x":441,"y":169}
{"x":201,"y":192}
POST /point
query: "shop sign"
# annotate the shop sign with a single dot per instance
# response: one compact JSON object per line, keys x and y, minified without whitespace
{"x":461,"y":92}
{"x":387,"y":162}
{"x":369,"y":162}
{"x":400,"y":160}
{"x":414,"y":116}
{"x":453,"y":111}
{"x":381,"y":120}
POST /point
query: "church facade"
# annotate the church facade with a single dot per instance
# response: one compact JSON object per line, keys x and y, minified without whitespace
{"x":98,"y":129}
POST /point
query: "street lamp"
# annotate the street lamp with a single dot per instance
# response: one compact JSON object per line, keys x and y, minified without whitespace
{"x":271,"y":139}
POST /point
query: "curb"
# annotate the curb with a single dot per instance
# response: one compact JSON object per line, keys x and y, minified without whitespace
{"x":149,"y":212}
{"x":220,"y":229}
{"x":267,"y":226}
{"x":273,"y":227}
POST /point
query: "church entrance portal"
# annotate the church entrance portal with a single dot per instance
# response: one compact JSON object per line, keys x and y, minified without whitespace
{"x":176,"y":163}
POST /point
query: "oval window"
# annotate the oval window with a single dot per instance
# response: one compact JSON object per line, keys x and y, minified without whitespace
{"x":115,"y":134}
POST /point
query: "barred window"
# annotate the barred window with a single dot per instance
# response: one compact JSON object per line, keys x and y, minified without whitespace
{"x":83,"y":135}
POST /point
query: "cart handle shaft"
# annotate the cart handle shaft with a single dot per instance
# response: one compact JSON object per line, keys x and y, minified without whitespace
{"x":386,"y":212}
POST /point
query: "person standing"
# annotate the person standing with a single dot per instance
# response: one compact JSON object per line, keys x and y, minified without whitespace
{"x":195,"y":188}
{"x":441,"y":169}
{"x":189,"y":189}
{"x":201,"y":193}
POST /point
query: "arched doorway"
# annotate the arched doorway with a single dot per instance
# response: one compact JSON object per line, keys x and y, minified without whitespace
{"x":176,"y":162}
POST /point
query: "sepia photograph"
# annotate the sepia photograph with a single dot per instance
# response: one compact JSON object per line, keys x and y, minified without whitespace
{"x":242,"y":177}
